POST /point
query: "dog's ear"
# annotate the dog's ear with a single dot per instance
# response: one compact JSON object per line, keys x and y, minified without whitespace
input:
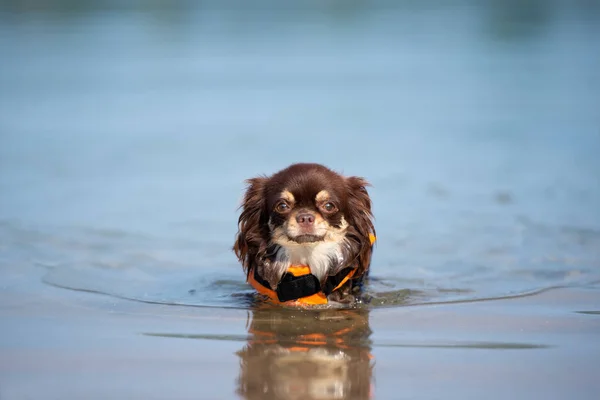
{"x":359,"y":204}
{"x":361,"y":218}
{"x":249,"y":240}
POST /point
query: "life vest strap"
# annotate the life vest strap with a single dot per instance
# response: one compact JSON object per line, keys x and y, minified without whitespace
{"x":295,"y":287}
{"x":334,"y":281}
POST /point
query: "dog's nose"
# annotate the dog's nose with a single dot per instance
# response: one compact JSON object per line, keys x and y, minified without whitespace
{"x":305,"y":219}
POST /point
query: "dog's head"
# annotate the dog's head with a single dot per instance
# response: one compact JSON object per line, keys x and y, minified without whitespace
{"x":305,"y":214}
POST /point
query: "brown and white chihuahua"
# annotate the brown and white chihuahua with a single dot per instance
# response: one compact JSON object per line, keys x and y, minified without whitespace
{"x":307,"y":215}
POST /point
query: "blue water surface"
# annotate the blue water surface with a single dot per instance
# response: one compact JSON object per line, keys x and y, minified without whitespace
{"x":126,"y":132}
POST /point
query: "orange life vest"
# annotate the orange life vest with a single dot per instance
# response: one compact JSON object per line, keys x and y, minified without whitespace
{"x":298,"y":285}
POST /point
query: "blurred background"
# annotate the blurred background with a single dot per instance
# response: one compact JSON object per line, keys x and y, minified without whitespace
{"x":128,"y":127}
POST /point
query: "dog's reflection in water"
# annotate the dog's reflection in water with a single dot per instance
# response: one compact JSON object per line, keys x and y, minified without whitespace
{"x":306,"y":354}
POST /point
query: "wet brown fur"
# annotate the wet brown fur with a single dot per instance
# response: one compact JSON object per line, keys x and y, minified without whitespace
{"x":254,"y":246}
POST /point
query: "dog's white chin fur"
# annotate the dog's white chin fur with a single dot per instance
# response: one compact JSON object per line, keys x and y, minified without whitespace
{"x":319,"y":255}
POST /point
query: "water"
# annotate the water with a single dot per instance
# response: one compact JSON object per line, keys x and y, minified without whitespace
{"x":126,"y":132}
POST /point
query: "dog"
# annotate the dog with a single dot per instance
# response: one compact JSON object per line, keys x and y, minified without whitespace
{"x":306,"y":214}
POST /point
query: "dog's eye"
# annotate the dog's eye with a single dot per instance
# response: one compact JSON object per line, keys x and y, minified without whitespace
{"x":329,"y":207}
{"x":282,"y":207}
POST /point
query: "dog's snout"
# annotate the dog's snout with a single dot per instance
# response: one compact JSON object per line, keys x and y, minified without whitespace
{"x":305,"y":219}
